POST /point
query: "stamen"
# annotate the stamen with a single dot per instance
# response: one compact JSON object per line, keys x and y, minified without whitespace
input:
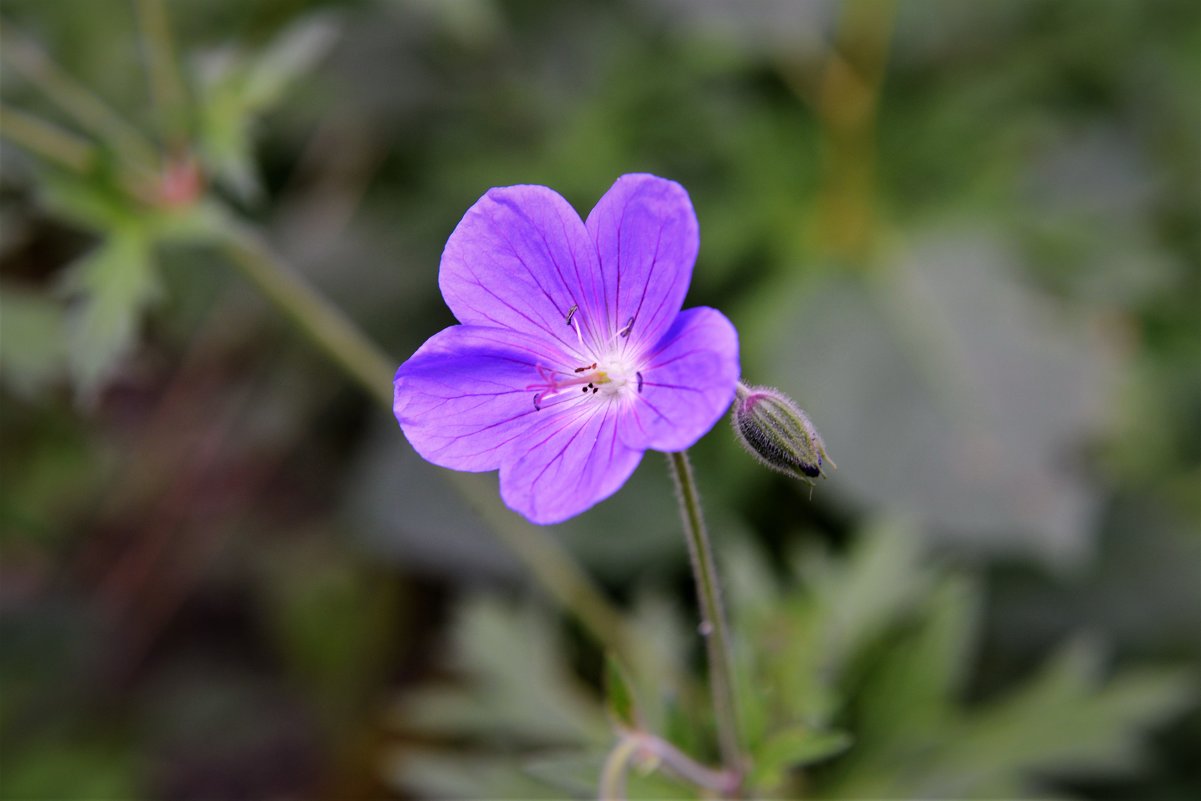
{"x":586,"y":368}
{"x":639,"y":382}
{"x":537,"y":398}
{"x":571,"y":312}
{"x":625,"y":330}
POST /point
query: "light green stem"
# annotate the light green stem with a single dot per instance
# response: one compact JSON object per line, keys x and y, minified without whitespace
{"x":166,"y":84}
{"x":339,"y":339}
{"x":713,"y":618}
{"x":613,"y":775}
{"x":88,"y":110}
{"x":310,"y":312}
{"x":46,"y":140}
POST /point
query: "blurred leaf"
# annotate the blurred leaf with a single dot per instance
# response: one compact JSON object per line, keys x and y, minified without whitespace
{"x":111,"y":287}
{"x":291,"y":55}
{"x":196,"y":224}
{"x":91,"y":202}
{"x":1063,"y":720}
{"x":237,"y":87}
{"x":333,"y":619}
{"x":52,"y":771}
{"x":881,"y":581}
{"x":455,"y":776}
{"x":915,"y":739}
{"x":789,"y":749}
{"x":619,"y":694}
{"x":515,"y":688}
{"x":31,"y":337}
{"x":958,"y":394}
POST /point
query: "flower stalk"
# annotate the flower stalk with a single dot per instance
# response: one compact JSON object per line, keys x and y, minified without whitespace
{"x":713,"y":620}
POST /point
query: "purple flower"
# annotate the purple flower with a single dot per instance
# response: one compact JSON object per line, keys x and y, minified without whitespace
{"x":573,"y":357}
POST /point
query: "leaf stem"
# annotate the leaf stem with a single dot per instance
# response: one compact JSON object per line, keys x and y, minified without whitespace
{"x":676,"y":762}
{"x":617,"y":764}
{"x":329,"y":329}
{"x":92,"y":113}
{"x":46,"y":140}
{"x":166,"y":85}
{"x":364,"y":362}
{"x":713,"y":619}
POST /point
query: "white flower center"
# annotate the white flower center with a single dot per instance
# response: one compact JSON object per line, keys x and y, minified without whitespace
{"x":616,"y":378}
{"x":613,"y":376}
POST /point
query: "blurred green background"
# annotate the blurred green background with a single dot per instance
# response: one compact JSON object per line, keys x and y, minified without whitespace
{"x":964,"y":236}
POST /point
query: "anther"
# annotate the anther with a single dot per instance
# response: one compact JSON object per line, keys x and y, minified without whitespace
{"x":571,"y":313}
{"x":625,"y":330}
{"x":639,"y":375}
{"x":586,"y":368}
{"x":537,"y":398}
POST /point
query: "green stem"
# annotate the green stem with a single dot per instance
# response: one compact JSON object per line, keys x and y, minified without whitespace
{"x":166,"y":84}
{"x":92,"y":113}
{"x":713,"y":619}
{"x":334,"y":334}
{"x":612,"y":785}
{"x":311,"y":313}
{"x":48,"y":141}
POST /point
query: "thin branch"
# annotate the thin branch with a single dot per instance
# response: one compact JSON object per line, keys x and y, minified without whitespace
{"x":162,"y":70}
{"x":79,"y":102}
{"x":46,"y":140}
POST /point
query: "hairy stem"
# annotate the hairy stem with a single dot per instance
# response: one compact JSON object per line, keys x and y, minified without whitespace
{"x":713,"y":619}
{"x":339,"y":339}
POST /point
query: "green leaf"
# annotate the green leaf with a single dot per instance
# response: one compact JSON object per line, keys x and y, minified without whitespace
{"x":293,"y":53}
{"x":330,"y":618}
{"x":881,"y":582}
{"x":456,"y":775}
{"x":88,"y":201}
{"x":619,"y":694}
{"x":955,"y":393}
{"x":515,"y":688}
{"x":793,"y":748}
{"x":111,"y":287}
{"x":1062,"y":720}
{"x":197,"y":224}
{"x":56,"y":769}
{"x":32,"y":341}
{"x":237,"y":88}
{"x":916,"y":680}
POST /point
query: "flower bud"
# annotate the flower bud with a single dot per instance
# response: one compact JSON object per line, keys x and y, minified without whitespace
{"x":778,"y":433}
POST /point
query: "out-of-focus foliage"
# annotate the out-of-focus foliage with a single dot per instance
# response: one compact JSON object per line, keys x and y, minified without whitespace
{"x":966,"y":237}
{"x":876,"y":643}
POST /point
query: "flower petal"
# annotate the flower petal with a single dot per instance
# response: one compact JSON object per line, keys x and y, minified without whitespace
{"x":646,"y":238}
{"x":688,"y":382}
{"x":521,"y":259}
{"x":463,"y":398}
{"x":574,"y":462}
